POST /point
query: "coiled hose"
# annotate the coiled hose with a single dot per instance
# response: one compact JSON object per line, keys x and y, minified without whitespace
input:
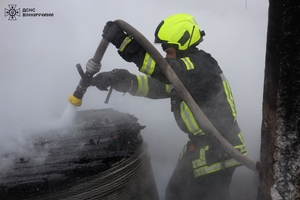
{"x":131,"y":178}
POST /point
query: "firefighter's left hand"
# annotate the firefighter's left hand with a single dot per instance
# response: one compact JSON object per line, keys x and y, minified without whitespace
{"x":102,"y":80}
{"x":120,"y":79}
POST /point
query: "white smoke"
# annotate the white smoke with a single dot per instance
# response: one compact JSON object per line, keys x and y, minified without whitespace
{"x":38,"y":57}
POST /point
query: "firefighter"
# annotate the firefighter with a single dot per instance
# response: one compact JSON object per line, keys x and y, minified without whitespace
{"x":204,"y":170}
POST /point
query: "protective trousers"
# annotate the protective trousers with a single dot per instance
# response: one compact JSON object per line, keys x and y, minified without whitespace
{"x":184,"y":186}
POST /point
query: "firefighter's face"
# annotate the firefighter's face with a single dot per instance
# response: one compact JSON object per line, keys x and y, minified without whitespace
{"x":170,"y":52}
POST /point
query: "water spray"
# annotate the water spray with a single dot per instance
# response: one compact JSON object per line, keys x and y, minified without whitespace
{"x":93,"y":66}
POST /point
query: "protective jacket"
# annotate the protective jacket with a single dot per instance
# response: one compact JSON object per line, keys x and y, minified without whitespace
{"x":205,"y":81}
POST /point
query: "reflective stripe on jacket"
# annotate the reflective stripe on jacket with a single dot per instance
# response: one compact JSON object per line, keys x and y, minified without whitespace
{"x":151,"y":88}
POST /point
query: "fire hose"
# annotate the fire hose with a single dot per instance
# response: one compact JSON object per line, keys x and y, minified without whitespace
{"x":200,"y":117}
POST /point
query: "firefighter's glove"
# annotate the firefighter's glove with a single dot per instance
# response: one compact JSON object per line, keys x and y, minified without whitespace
{"x":102,"y":80}
{"x":113,"y":33}
{"x":131,"y":51}
{"x":120,"y":79}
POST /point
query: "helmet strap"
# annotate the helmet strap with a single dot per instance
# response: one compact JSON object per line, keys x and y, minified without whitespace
{"x":191,"y":37}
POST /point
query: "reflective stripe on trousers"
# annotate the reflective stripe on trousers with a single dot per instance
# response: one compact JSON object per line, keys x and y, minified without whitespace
{"x":200,"y":165}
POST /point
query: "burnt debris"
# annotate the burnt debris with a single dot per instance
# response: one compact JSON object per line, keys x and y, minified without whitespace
{"x":60,"y":158}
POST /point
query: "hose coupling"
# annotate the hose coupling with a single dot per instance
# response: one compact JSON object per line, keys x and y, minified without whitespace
{"x":93,"y":67}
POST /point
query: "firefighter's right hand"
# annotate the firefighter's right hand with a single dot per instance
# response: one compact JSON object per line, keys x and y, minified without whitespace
{"x":113,"y":33}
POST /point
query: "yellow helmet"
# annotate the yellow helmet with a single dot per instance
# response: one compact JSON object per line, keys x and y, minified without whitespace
{"x":181,"y":30}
